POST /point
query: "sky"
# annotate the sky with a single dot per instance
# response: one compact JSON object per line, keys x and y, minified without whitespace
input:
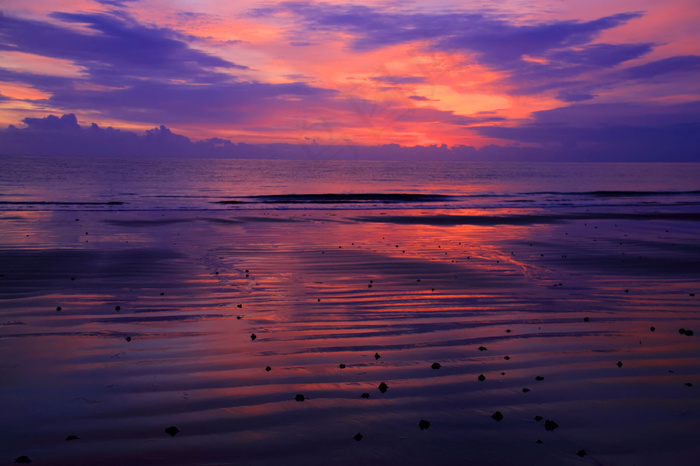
{"x":611,"y":80}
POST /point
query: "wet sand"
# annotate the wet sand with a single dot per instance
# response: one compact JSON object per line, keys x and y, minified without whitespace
{"x":157,"y":311}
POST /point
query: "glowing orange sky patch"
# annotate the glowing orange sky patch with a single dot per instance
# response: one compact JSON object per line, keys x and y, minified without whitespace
{"x":26,"y":62}
{"x":22,"y":92}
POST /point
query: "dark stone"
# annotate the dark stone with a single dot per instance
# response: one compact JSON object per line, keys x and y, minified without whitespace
{"x":507,"y":358}
{"x":423,"y":424}
{"x":436,"y":365}
{"x":680,"y":330}
{"x":23,"y":459}
{"x":507,"y":330}
{"x":376,"y":356}
{"x":364,"y":395}
{"x":482,"y":348}
{"x":481,"y":378}
{"x":253,"y":336}
{"x":581,"y":453}
{"x":239,"y":306}
{"x":586,"y":319}
{"x":172,"y":431}
{"x":383,"y":387}
{"x":58,"y":308}
{"x":688,"y":384}
{"x":357,"y":436}
{"x":72,"y":437}
{"x":619,"y":363}
{"x":652,"y":328}
{"x":238,"y":317}
{"x":539,"y":378}
{"x":497,"y":416}
{"x":299,"y":397}
{"x":539,"y":441}
{"x":525,"y":390}
{"x":162,"y":294}
{"x":342,"y":366}
{"x":268,"y":368}
{"x":627,"y":291}
{"x":550,"y":425}
{"x":128,"y":339}
{"x":117,"y":308}
{"x":538,"y":418}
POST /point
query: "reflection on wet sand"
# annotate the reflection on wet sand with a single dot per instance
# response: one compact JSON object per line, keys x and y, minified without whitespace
{"x":526,"y":319}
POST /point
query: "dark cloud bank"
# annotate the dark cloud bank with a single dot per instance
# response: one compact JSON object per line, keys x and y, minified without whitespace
{"x":565,"y":134}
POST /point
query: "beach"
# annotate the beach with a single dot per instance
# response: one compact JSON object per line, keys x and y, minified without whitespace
{"x":263,"y":334}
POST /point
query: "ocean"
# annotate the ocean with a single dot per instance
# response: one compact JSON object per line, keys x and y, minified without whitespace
{"x":79,"y":183}
{"x":201,"y":312}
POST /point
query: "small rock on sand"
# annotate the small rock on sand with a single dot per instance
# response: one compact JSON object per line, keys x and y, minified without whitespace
{"x":550,"y":425}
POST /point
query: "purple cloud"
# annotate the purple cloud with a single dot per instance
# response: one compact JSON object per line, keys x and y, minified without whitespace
{"x":497,"y":41}
{"x":619,"y":132}
{"x":62,"y":136}
{"x":233,"y":102}
{"x":149,"y":71}
{"x":600,"y":55}
{"x":120,"y":48}
{"x":577,"y":137}
{"x":118,"y":3}
{"x":677,"y":64}
{"x":52,"y":123}
{"x":574,"y":95}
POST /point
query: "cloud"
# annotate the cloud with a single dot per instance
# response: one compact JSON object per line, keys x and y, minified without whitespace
{"x":615,"y":132}
{"x":118,"y":3}
{"x":52,"y":123}
{"x":533,"y":56}
{"x":600,"y":55}
{"x":243,"y":103}
{"x":577,"y":137}
{"x":677,"y":64}
{"x":498,"y":40}
{"x":118,"y":49}
{"x":145,"y":74}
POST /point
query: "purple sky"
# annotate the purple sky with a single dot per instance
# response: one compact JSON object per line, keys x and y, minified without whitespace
{"x":472,"y":80}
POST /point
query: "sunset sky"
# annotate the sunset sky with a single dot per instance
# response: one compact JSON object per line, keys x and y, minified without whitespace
{"x":598,"y":77}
